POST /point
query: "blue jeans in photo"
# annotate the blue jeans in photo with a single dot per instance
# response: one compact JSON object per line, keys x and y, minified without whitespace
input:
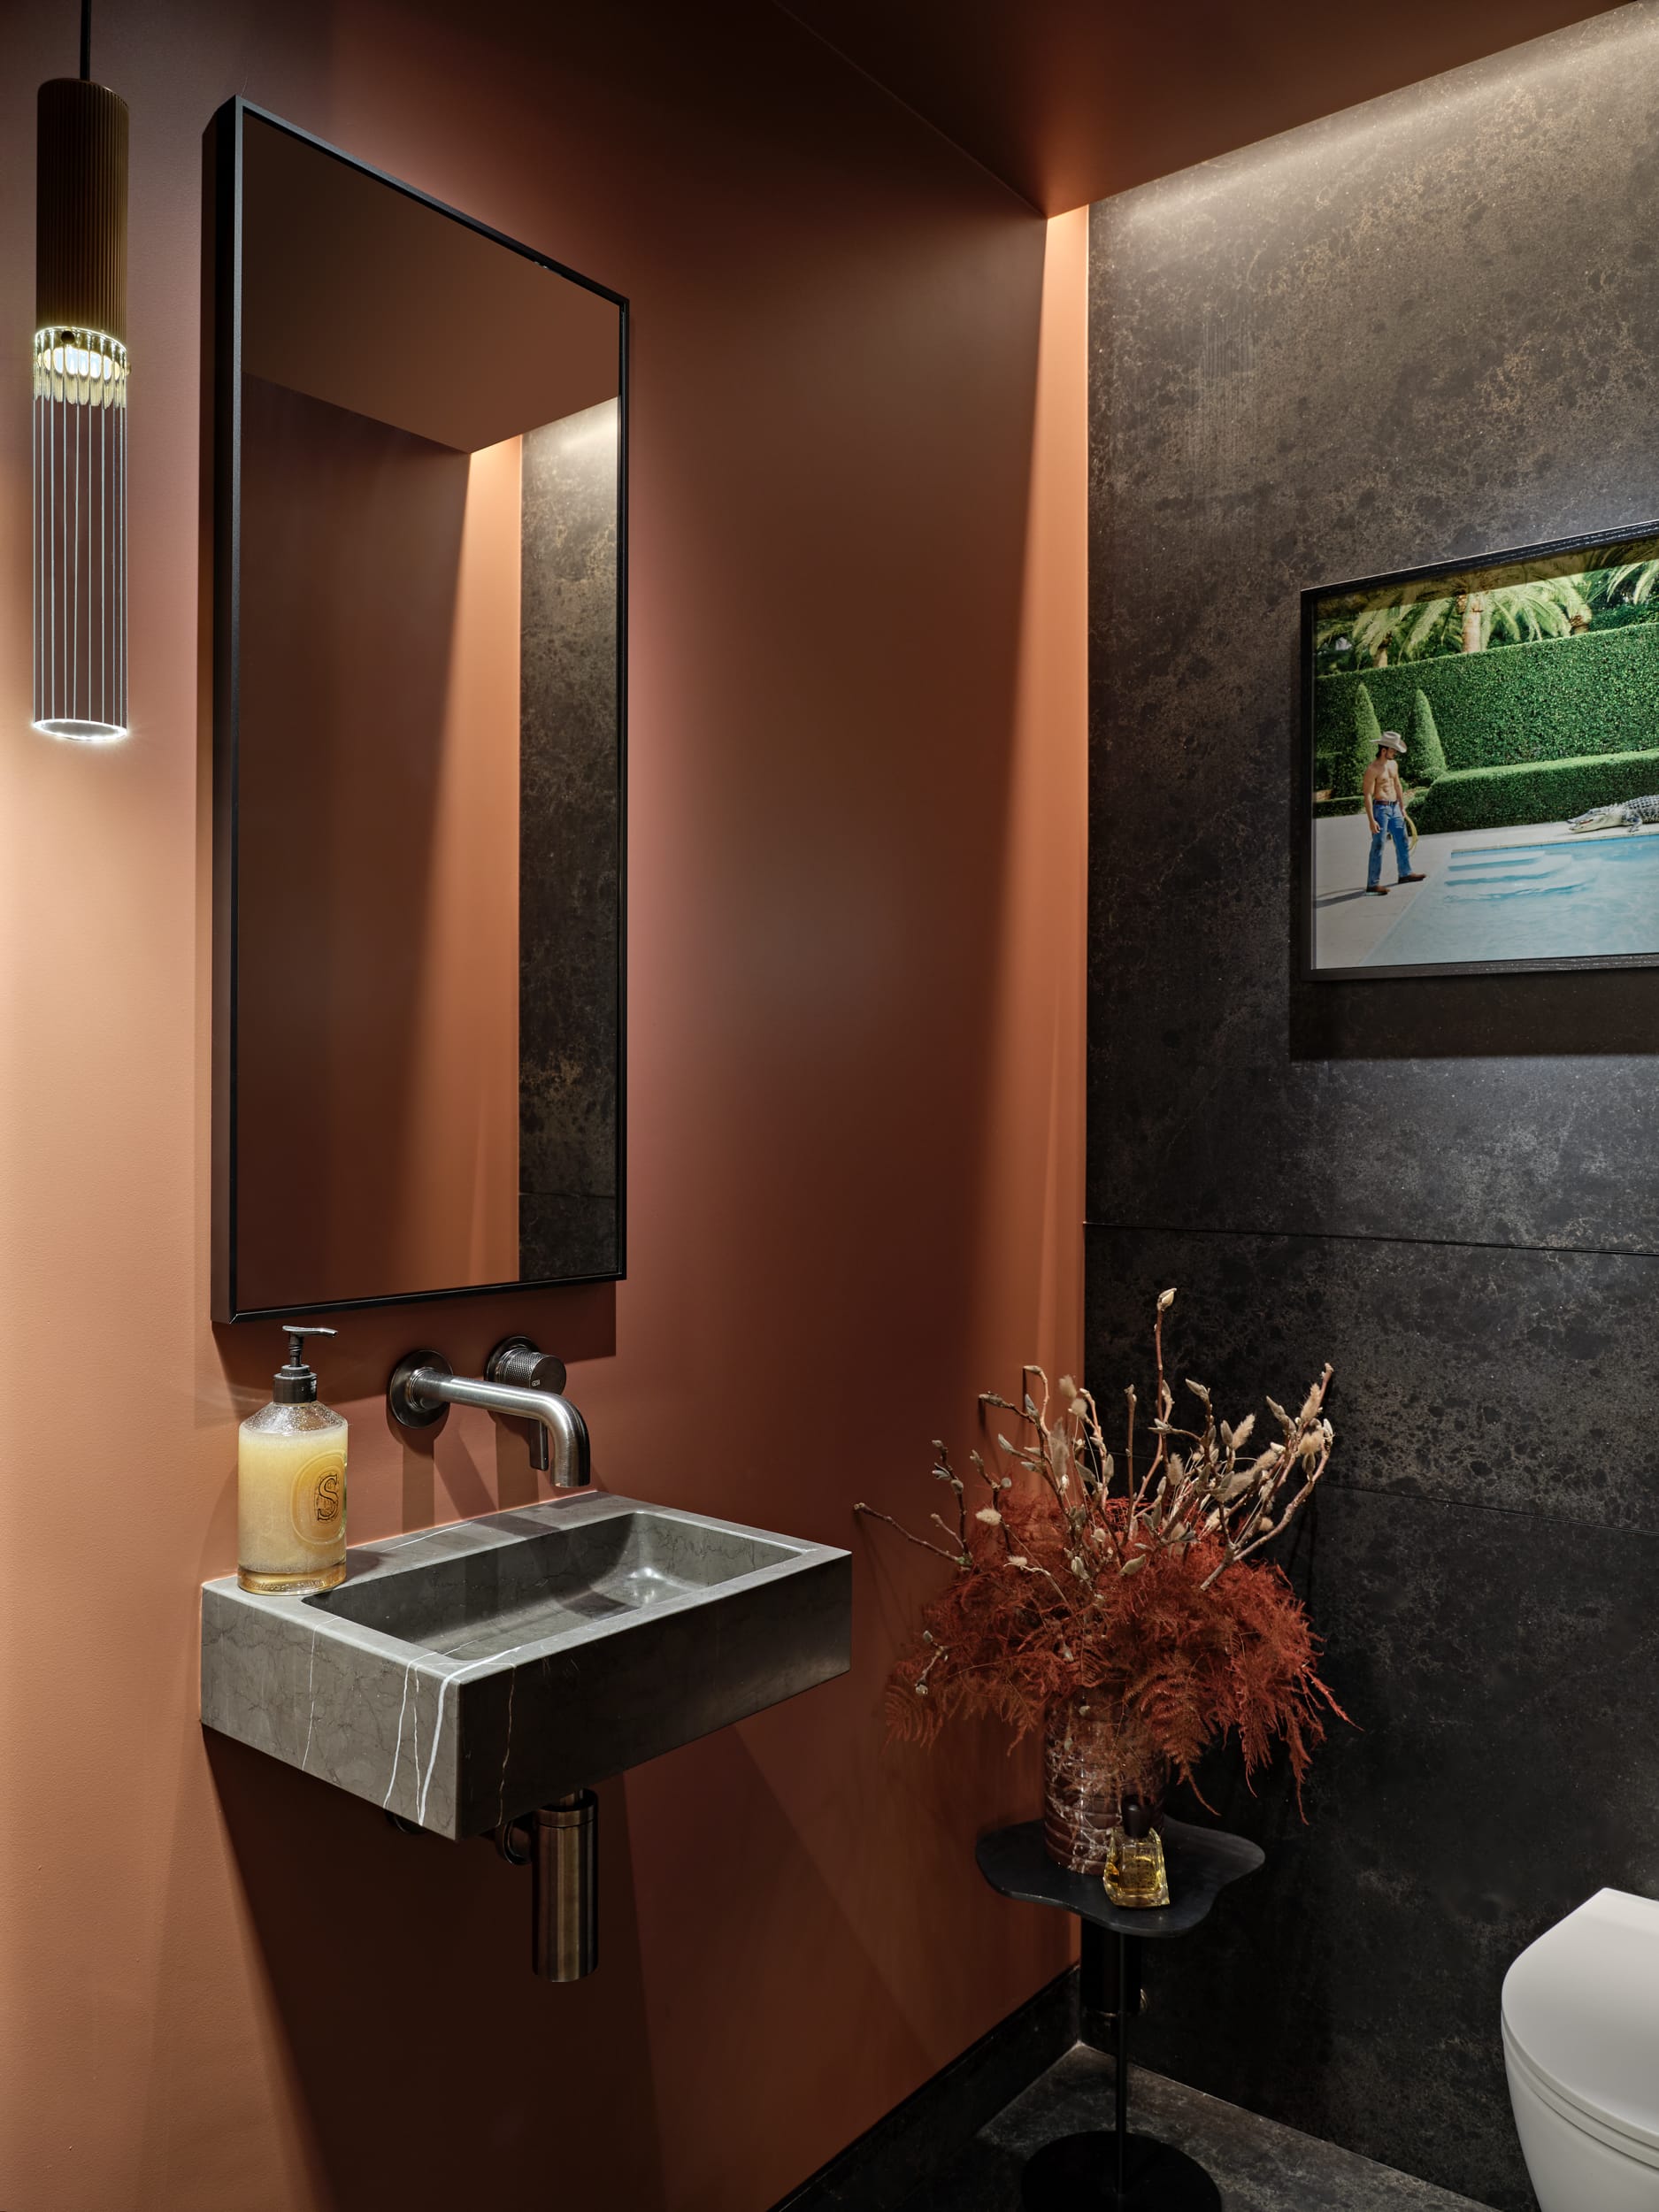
{"x":1391,"y":822}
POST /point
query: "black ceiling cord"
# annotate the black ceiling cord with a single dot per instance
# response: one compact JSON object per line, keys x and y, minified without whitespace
{"x":85,"y":41}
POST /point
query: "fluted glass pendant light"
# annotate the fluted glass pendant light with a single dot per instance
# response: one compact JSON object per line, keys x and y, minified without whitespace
{"x":80,"y":380}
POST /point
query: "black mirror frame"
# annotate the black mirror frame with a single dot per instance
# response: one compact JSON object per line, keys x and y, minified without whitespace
{"x":218,"y":681}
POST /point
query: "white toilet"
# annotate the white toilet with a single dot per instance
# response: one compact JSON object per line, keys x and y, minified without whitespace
{"x":1581,"y":2047}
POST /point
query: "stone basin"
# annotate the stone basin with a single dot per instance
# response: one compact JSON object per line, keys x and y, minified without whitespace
{"x":461,"y":1676}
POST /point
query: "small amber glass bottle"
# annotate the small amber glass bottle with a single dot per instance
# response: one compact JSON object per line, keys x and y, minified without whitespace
{"x":1134,"y":1871}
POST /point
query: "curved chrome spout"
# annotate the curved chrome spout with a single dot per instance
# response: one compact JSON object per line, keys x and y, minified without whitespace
{"x":553,"y":1416}
{"x":424,"y":1385}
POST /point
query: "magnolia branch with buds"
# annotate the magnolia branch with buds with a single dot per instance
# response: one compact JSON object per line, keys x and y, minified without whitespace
{"x":1199,"y":1482}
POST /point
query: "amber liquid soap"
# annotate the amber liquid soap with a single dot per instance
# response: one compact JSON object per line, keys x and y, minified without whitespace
{"x":291,"y":1487}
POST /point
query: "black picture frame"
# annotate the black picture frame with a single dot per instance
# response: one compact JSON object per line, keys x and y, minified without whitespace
{"x":218,"y":686}
{"x":1304,"y":776}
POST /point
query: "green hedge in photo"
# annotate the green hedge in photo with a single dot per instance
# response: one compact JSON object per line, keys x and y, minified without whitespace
{"x":1540,"y":791}
{"x":1364,"y":747}
{"x":1425,"y":762}
{"x":1340,"y":767}
{"x":1512,"y":704}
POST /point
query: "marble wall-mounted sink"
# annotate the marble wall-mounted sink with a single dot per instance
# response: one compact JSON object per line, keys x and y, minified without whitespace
{"x":463,"y":1675}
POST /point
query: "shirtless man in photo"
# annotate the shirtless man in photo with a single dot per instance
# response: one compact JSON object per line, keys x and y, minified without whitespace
{"x":1385,"y":811}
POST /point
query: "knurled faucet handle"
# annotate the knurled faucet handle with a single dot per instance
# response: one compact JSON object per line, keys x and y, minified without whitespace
{"x":518,"y":1361}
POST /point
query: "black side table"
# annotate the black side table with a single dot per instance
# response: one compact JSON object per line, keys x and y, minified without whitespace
{"x":1118,"y":2172}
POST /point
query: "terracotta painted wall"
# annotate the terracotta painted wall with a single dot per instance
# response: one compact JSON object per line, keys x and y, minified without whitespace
{"x":855,"y":1168}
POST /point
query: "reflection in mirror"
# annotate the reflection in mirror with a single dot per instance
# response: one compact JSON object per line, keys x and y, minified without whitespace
{"x":419,"y":745}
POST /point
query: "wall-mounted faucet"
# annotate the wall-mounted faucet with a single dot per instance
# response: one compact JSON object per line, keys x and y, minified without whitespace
{"x":518,"y":1380}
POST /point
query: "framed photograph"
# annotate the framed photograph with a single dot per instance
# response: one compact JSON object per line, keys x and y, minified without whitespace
{"x":1480,"y":765}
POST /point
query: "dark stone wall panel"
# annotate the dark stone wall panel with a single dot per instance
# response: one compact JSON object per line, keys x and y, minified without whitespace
{"x":1414,"y":332}
{"x":1522,"y":1380}
{"x":1495,"y":1666}
{"x":1418,"y":331}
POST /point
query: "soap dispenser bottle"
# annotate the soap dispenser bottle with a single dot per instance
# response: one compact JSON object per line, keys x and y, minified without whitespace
{"x":1134,"y":1871}
{"x":291,"y":1485}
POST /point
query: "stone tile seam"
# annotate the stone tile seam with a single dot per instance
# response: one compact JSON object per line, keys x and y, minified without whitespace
{"x":1427,"y":1499}
{"x":1481,"y":1505}
{"x":1411,"y":1497}
{"x":1364,"y":1236}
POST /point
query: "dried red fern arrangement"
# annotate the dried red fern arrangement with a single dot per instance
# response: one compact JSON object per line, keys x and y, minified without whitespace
{"x":1136,"y":1589}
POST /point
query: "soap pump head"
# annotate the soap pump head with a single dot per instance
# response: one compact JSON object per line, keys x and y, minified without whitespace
{"x":1137,"y":1818}
{"x":296,"y":1383}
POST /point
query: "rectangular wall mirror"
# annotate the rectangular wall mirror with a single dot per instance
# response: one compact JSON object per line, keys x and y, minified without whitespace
{"x":417,"y":441}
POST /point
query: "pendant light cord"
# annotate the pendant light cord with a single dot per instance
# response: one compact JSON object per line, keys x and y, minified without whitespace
{"x":85,"y":41}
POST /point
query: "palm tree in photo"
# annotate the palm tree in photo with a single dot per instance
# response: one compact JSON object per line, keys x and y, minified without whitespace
{"x":1630,"y":582}
{"x":1432,"y":628}
{"x":1425,"y":622}
{"x":1376,"y":631}
{"x":1373,"y":633}
{"x":1548,"y":606}
{"x":1433,"y":616}
{"x":1522,"y":614}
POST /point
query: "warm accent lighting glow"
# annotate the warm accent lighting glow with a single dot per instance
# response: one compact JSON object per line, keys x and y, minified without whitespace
{"x":79,"y":432}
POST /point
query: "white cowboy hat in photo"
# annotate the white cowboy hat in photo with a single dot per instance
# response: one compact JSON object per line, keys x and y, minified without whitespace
{"x":1392,"y":739}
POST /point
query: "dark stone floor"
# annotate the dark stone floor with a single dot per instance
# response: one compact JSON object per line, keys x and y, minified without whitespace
{"x":1259,"y":2165}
